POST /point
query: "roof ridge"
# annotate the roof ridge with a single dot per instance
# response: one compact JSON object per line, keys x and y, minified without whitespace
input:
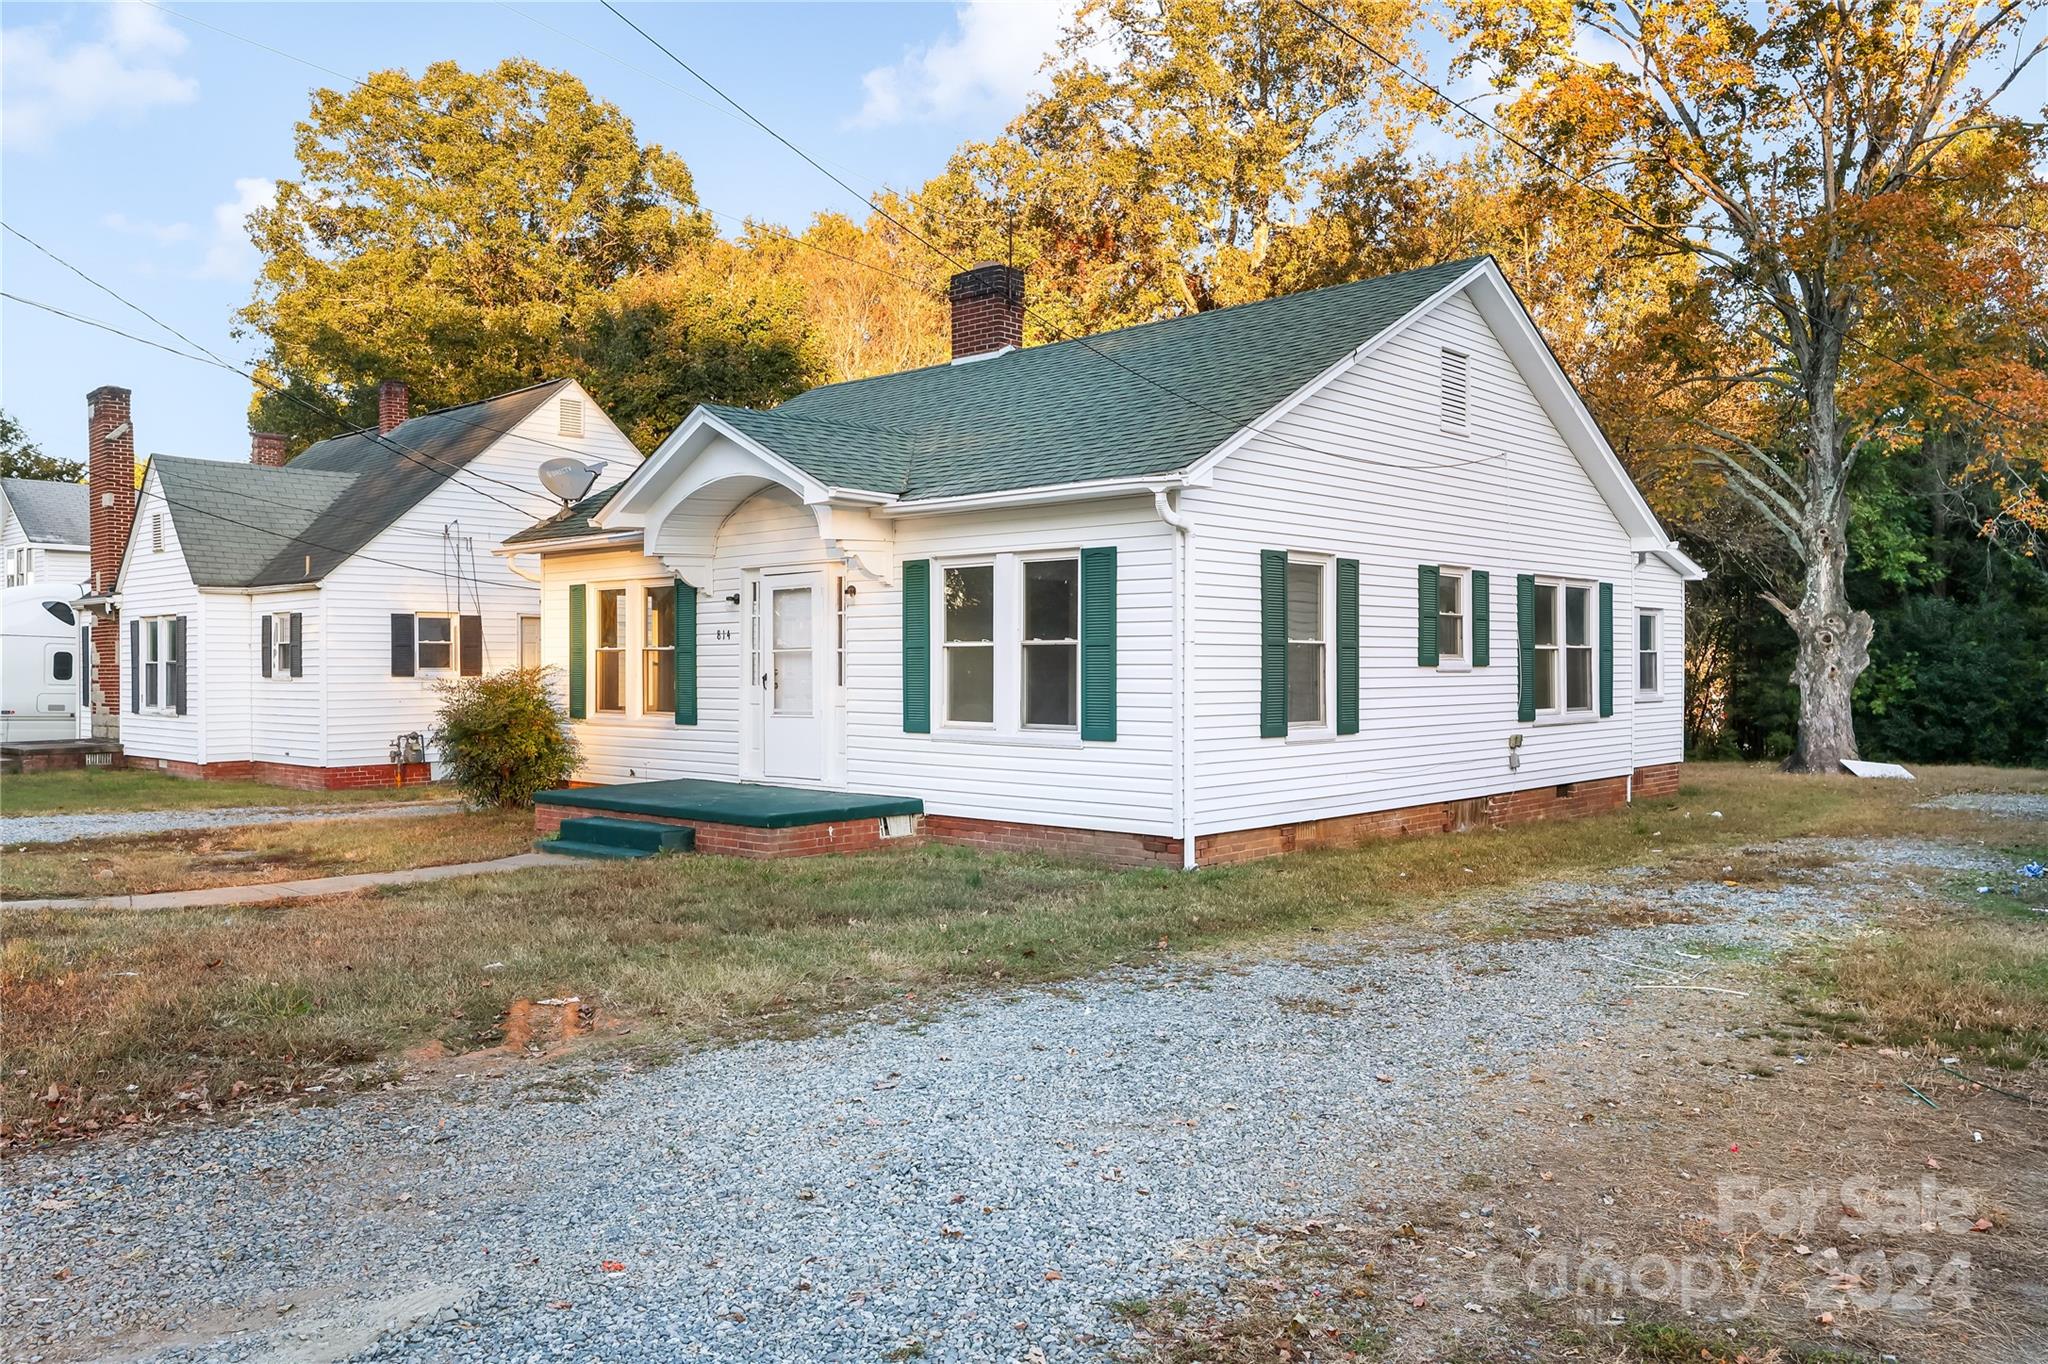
{"x":441,"y":411}
{"x":1082,"y":337}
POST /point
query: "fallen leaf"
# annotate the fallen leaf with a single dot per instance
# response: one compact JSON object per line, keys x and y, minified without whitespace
{"x":613,"y":1266}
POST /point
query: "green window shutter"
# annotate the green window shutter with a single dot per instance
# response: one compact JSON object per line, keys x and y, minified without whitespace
{"x":1347,"y":646}
{"x":1098,"y":643}
{"x":917,"y":646}
{"x":1525,"y":649}
{"x":686,"y":653}
{"x":1607,"y":648}
{"x":1482,"y":618}
{"x":1272,"y":644}
{"x":579,"y":627}
{"x":1425,"y":615}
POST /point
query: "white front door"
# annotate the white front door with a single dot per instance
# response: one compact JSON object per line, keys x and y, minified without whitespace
{"x":791,"y":635}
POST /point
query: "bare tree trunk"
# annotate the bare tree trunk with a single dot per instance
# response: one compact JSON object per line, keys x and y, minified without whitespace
{"x":1834,"y":638}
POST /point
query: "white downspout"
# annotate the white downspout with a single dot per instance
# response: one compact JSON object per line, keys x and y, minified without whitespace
{"x":1183,"y":675}
{"x":512,"y":562}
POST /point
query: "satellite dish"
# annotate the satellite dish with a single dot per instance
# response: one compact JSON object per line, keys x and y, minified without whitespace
{"x":569,"y":479}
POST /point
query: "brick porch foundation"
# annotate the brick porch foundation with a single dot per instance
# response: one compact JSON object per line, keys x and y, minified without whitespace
{"x":298,"y":776}
{"x":1565,"y":801}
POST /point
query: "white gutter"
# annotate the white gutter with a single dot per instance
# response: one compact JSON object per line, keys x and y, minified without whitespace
{"x":602,"y":540}
{"x":1031,"y":497}
{"x":1183,"y":675}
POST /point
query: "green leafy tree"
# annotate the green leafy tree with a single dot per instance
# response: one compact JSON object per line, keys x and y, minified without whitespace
{"x":450,"y":229}
{"x":21,"y":457}
{"x":714,"y":327}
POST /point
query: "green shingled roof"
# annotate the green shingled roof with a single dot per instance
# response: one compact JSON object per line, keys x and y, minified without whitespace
{"x":1146,"y":400}
{"x":242,"y":525}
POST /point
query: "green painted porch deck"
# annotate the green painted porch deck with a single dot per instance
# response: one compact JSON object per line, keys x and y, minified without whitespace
{"x":750,"y":805}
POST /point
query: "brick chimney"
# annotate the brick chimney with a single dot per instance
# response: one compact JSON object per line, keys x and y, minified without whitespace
{"x":988,"y":310}
{"x":267,"y":449}
{"x":110,"y":464}
{"x":394,"y":400}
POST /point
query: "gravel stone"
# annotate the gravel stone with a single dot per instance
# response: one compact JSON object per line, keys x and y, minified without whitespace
{"x":2012,"y":805}
{"x":20,"y":829}
{"x":982,"y":1184}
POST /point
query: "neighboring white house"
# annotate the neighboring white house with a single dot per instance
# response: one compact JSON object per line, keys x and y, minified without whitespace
{"x":1283,"y":575}
{"x":291,"y":623}
{"x":44,"y":533}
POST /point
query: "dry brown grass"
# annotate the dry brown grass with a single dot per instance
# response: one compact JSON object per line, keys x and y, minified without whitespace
{"x":113,"y":1017}
{"x":194,"y":859}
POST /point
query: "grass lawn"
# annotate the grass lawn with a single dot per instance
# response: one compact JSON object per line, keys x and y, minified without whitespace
{"x":192,"y":859}
{"x":101,"y":791}
{"x":115,"y":1014}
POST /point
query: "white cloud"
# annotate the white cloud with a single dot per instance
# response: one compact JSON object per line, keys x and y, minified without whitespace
{"x":47,"y":83}
{"x":142,"y":227}
{"x":990,"y":59}
{"x":231,"y":255}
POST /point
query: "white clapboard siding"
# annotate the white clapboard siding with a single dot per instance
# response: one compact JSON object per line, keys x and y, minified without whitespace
{"x":224,"y":650}
{"x":411,"y":567}
{"x":155,"y":582}
{"x":287,"y":715}
{"x":1659,"y":720}
{"x":1125,"y":786}
{"x":1368,"y":469}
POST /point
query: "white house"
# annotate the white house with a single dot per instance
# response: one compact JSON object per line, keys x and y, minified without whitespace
{"x":44,"y":533}
{"x":291,"y":622}
{"x":1289,"y":574}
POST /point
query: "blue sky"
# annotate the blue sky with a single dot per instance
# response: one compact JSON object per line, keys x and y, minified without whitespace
{"x":136,"y":139}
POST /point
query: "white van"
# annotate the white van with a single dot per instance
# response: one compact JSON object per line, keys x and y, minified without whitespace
{"x":42,"y":665}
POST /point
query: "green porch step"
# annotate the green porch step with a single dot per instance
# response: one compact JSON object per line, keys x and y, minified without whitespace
{"x":600,"y":836}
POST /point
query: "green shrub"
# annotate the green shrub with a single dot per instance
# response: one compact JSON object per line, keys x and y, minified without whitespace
{"x":504,"y":738}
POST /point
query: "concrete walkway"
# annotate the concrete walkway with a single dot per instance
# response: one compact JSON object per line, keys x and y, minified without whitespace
{"x":268,"y":891}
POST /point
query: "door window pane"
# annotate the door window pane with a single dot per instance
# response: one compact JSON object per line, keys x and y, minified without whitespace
{"x":529,"y":641}
{"x":1052,"y":608}
{"x":60,"y":665}
{"x":790,"y":638}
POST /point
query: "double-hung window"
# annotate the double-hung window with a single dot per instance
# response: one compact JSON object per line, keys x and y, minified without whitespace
{"x":1307,"y":645}
{"x":1564,"y":648}
{"x":611,"y":649}
{"x":658,"y":650}
{"x":280,"y":644}
{"x":970,"y":643}
{"x":1451,"y":615}
{"x":1649,"y":676}
{"x":1011,"y":636}
{"x":156,"y":646}
{"x":1051,"y":643}
{"x":436,"y":638}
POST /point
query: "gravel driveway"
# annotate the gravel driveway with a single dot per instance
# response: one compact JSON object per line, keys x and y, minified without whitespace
{"x":19,"y":829}
{"x":982,"y":1185}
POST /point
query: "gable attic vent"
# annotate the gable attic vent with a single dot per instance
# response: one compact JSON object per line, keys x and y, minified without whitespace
{"x":156,"y":533}
{"x":570,"y":417}
{"x":1457,"y":390}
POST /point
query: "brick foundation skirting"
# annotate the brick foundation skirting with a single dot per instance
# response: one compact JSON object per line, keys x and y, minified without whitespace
{"x":1565,"y":801}
{"x":1658,"y":781}
{"x":740,"y":840}
{"x":298,"y":776}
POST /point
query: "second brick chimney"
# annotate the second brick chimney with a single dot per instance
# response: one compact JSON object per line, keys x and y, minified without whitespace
{"x":988,"y":310}
{"x":267,"y":449}
{"x":394,"y":400}
{"x":110,"y":465}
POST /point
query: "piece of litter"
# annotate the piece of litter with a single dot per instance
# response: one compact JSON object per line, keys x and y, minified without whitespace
{"x":1983,"y":890}
{"x":558,"y":1003}
{"x":1715,"y":815}
{"x":2033,"y":871}
{"x":494,"y":966}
